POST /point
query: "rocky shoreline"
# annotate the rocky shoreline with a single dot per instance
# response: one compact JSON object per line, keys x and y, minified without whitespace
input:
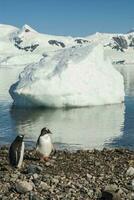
{"x":80,"y":175}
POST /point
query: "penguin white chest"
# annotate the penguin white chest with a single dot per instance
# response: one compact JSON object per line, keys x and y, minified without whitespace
{"x":21,"y":155}
{"x":45,"y":145}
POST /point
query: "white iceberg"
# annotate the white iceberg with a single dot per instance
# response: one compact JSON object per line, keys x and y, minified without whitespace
{"x":73,"y":77}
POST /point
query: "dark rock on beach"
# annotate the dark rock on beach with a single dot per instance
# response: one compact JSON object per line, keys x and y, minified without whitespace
{"x":80,"y":175}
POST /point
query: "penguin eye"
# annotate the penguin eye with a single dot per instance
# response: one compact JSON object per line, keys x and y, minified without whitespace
{"x":49,"y":132}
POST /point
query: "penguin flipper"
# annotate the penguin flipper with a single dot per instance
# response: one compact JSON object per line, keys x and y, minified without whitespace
{"x":37,"y":143}
{"x":53,"y":150}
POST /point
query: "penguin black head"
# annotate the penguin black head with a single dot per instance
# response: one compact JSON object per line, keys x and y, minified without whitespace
{"x":19,"y":138}
{"x":45,"y":131}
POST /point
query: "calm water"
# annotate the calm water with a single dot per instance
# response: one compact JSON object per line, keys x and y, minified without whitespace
{"x":94,"y":127}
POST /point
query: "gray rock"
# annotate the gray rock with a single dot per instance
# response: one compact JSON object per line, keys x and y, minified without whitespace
{"x":112,"y":187}
{"x":81,"y":41}
{"x":130,"y":185}
{"x":132,"y":43}
{"x":35,"y":176}
{"x":34,"y":169}
{"x":23,"y":186}
{"x":90,"y":193}
{"x":44,"y":186}
{"x":35,"y":197}
{"x":48,"y":164}
{"x":130,"y":171}
{"x":121,"y":42}
{"x":55,"y":181}
{"x":57,"y":43}
{"x":130,"y":196}
{"x":89,"y":177}
{"x":4,"y":198}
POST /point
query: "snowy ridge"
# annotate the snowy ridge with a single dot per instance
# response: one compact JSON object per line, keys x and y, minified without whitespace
{"x":73,"y":77}
{"x":7,"y":31}
{"x":16,"y":43}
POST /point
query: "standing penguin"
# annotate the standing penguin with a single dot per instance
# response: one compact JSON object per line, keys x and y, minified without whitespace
{"x":16,"y":152}
{"x":44,"y":144}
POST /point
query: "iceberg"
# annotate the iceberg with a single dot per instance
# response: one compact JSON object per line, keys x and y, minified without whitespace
{"x":77,"y":76}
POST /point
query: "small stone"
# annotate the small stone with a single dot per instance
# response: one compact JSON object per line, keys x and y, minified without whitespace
{"x":4,"y":198}
{"x":55,"y":180}
{"x":35,"y":176}
{"x":47,"y":164}
{"x":90,"y":193}
{"x":133,"y":183}
{"x":97,"y":163}
{"x":35,"y":197}
{"x":130,"y":186}
{"x":89,"y":176}
{"x":44,"y":186}
{"x":23,"y":186}
{"x":130,"y":196}
{"x":98,"y":192}
{"x":112,"y":187}
{"x":15,"y":175}
{"x":130,"y":171}
{"x":34,"y":169}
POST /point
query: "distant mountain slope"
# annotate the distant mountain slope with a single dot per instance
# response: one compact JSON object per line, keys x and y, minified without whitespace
{"x":27,"y":43}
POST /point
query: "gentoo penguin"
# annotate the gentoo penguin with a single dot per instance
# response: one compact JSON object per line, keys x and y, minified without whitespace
{"x":44,"y":144}
{"x":16,"y":152}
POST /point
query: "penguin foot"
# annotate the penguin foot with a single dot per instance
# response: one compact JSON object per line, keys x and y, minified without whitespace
{"x":46,"y":158}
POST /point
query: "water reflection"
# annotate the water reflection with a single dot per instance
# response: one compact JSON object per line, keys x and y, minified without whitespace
{"x":127,"y":138}
{"x":74,"y":128}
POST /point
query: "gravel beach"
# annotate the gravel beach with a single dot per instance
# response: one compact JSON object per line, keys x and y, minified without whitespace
{"x":80,"y":175}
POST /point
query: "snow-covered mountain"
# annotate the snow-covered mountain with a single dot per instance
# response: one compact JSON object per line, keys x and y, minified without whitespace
{"x":26,"y":45}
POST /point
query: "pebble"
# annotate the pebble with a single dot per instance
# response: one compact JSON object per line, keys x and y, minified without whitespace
{"x":130,"y":196}
{"x":24,"y":186}
{"x":44,"y":186}
{"x":130,"y":171}
{"x":47,"y":164}
{"x":88,"y":175}
{"x":34,"y":169}
{"x":35,"y":176}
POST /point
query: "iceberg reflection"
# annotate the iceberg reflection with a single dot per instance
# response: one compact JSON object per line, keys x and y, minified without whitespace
{"x":85,"y":128}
